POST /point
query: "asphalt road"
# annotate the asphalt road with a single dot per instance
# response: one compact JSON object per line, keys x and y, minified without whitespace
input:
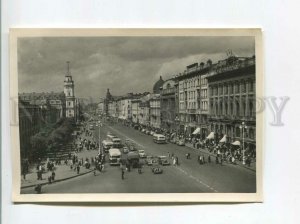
{"x":188,"y":177}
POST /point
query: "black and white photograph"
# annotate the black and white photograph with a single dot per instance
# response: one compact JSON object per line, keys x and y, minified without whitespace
{"x":168,"y":115}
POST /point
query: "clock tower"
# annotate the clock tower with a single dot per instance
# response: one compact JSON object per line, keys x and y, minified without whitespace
{"x":69,"y":93}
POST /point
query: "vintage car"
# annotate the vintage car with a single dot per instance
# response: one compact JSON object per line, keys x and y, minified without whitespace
{"x":163,"y":160}
{"x":142,"y":153}
{"x":125,"y":150}
{"x":157,"y":170}
{"x":149,"y":160}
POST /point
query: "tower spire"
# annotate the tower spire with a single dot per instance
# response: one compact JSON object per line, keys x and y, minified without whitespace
{"x":68,"y":68}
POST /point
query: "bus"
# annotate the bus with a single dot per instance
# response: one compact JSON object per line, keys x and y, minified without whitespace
{"x":117,"y":142}
{"x":107,"y":145}
{"x":110,"y":137}
{"x":114,"y":156}
{"x":158,"y":138}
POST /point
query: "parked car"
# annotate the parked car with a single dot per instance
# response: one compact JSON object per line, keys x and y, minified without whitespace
{"x":149,"y":160}
{"x":125,"y":150}
{"x":147,"y":132}
{"x":156,"y":170}
{"x":163,"y":160}
{"x":142,"y":153}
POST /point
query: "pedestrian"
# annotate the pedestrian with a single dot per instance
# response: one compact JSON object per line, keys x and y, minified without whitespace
{"x":122,"y":174}
{"x":209,"y":159}
{"x":38,"y":189}
{"x":49,"y":179}
{"x":53,"y":175}
{"x":217,"y":160}
{"x":78,"y":169}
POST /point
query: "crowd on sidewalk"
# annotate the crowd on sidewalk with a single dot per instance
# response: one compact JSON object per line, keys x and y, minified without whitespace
{"x":223,"y":152}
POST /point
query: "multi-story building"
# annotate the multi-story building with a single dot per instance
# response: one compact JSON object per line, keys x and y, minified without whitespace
{"x":192,"y":99}
{"x":168,"y":105}
{"x":231,"y":85}
{"x":154,"y":110}
{"x":135,"y":110}
{"x":144,"y":110}
{"x":53,"y":104}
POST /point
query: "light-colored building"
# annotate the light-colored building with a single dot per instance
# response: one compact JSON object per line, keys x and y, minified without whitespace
{"x":154,"y":110}
{"x":192,"y":99}
{"x":168,"y":105}
{"x":231,"y":85}
{"x":144,"y":110}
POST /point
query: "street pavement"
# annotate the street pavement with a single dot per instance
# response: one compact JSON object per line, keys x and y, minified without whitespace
{"x":188,"y":177}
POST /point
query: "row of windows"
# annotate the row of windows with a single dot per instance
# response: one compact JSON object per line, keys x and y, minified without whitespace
{"x":233,"y":109}
{"x":241,"y":87}
{"x":192,"y":95}
{"x":193,"y":83}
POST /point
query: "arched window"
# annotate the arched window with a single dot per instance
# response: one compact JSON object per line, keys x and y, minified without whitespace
{"x":168,"y":86}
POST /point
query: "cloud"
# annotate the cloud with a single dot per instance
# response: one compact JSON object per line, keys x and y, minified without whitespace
{"x":123,"y":64}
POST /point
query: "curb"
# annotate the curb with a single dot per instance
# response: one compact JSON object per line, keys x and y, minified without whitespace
{"x":254,"y":170}
{"x":56,"y":181}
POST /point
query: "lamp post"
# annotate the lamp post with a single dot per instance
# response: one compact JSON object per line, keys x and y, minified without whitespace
{"x":243,"y":127}
{"x":99,"y":123}
{"x":177,"y":122}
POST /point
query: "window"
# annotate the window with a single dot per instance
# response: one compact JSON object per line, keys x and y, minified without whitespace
{"x":237,"y":109}
{"x":237,"y":88}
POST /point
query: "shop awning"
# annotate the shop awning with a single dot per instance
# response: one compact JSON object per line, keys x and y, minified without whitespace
{"x":197,"y":131}
{"x":211,"y":135}
{"x":223,"y":140}
{"x":236,"y":143}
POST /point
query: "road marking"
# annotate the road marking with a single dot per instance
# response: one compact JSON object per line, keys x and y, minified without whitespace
{"x":179,"y":168}
{"x":196,"y":179}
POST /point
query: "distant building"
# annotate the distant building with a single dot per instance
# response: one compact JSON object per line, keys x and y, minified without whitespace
{"x":53,"y":104}
{"x":158,"y":85}
{"x":154,"y":110}
{"x":168,"y":105}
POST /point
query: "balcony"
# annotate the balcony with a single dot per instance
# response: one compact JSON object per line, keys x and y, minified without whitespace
{"x":191,"y":111}
{"x":168,"y":91}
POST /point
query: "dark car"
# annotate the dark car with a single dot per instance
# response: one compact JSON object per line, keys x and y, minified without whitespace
{"x":163,"y":160}
{"x":156,"y":170}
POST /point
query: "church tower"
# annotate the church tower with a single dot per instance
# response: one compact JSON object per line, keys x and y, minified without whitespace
{"x":69,"y":93}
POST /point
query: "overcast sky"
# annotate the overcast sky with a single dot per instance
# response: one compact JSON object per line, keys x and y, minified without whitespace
{"x":122,"y":64}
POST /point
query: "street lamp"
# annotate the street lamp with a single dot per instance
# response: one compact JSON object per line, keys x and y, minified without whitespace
{"x":177,"y":122}
{"x":243,"y":127}
{"x":99,"y":137}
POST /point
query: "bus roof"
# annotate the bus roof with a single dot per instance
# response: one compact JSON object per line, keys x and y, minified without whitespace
{"x":114,"y":152}
{"x":107,"y":142}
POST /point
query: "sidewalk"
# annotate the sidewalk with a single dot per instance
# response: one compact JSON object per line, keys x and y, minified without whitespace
{"x":62,"y":172}
{"x":239,"y":163}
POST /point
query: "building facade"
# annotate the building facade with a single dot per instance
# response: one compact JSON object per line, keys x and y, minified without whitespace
{"x":192,"y":99}
{"x":154,"y":110}
{"x":231,"y":85}
{"x":168,"y":105}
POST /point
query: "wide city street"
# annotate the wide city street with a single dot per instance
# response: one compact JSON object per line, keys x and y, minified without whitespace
{"x":187,"y":177}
